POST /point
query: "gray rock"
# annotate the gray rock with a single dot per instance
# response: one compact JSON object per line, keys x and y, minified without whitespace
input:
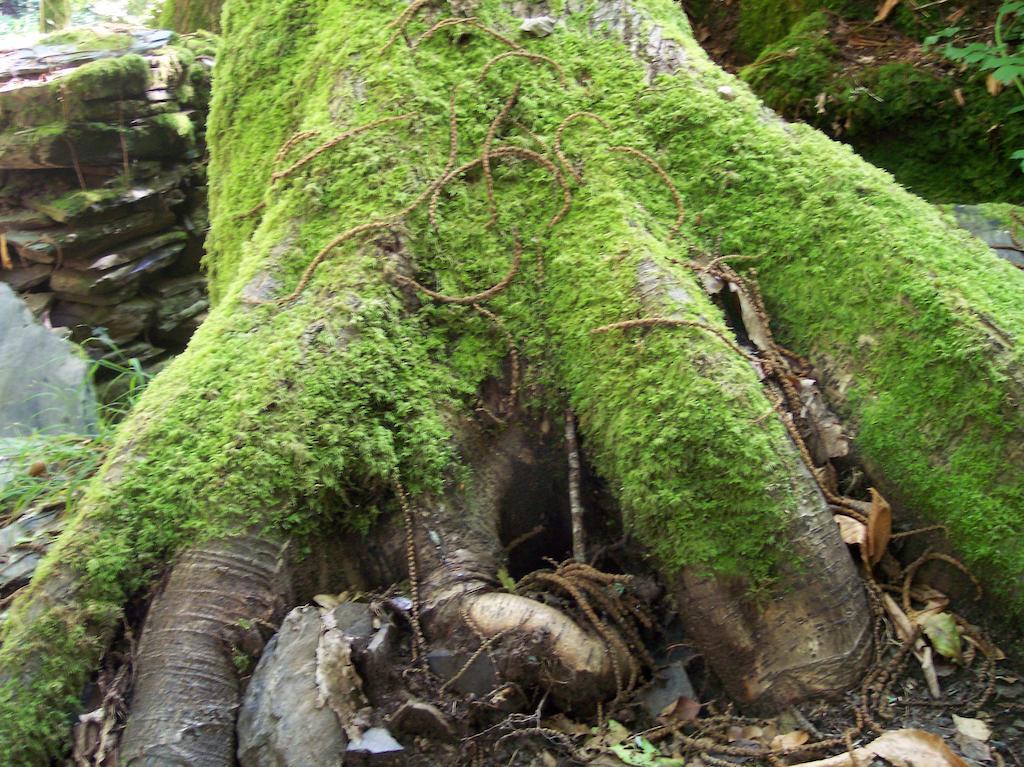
{"x":94,"y":206}
{"x":538,"y":26}
{"x":49,"y":246}
{"x":43,"y":379}
{"x":172,"y":240}
{"x":101,"y":282}
{"x":377,"y":747}
{"x":179,"y":336}
{"x":992,"y":232}
{"x":173,"y":286}
{"x":281,"y":722}
{"x":123,"y":321}
{"x":24,"y":542}
{"x":670,"y":683}
{"x":479,"y":679}
{"x":38,"y":303}
{"x":26,"y":277}
{"x":415,"y":718}
{"x":353,"y":619}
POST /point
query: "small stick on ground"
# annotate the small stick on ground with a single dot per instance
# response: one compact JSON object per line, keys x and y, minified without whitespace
{"x":579,"y":540}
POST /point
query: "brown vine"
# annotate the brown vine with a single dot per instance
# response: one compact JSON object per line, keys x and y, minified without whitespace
{"x":653,"y":164}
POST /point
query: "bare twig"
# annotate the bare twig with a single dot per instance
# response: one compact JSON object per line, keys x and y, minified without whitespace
{"x":579,"y":540}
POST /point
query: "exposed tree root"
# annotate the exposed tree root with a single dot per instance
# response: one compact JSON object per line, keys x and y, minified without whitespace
{"x":218,"y":599}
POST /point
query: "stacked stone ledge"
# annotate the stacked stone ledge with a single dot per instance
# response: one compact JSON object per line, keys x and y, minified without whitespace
{"x":102,"y":187}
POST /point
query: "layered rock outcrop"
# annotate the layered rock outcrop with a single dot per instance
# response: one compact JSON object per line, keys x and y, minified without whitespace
{"x":102,"y":186}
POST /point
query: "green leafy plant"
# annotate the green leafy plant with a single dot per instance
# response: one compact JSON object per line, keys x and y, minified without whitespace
{"x":1003,"y":58}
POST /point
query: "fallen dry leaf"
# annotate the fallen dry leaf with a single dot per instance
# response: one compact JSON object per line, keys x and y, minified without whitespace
{"x":5,"y":256}
{"x":993,"y":86}
{"x":680,"y":710}
{"x":885,"y":9}
{"x":901,"y":748}
{"x":958,"y":94}
{"x":879,"y":527}
{"x":851,"y":531}
{"x":972,"y":728}
{"x":790,"y":739}
{"x":752,"y":322}
{"x":943,"y":633}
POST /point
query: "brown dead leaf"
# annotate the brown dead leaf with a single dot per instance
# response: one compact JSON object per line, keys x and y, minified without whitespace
{"x":790,"y":739}
{"x":851,"y":531}
{"x":956,"y":15}
{"x":972,"y":728}
{"x":679,"y":711}
{"x":564,"y":724}
{"x":958,"y":94}
{"x":885,"y":9}
{"x":879,"y":527}
{"x":901,"y":748}
{"x":5,"y":256}
{"x":993,"y":86}
{"x":37,"y":469}
{"x":915,"y":748}
{"x":752,"y":322}
{"x":819,"y":102}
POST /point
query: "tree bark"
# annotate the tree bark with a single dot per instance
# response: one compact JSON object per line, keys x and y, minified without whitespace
{"x":219,"y":598}
{"x":303,"y":400}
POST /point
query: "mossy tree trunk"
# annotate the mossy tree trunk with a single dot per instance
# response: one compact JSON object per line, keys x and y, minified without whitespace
{"x":186,"y":16}
{"x":296,"y":411}
{"x":54,"y":14}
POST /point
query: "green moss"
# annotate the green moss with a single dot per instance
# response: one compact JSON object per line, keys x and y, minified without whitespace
{"x":899,"y":116}
{"x":68,"y":98}
{"x":178,"y":123}
{"x":286,"y":419}
{"x":789,"y":75}
{"x":191,"y":15}
{"x":89,"y":39}
{"x":916,"y":325}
